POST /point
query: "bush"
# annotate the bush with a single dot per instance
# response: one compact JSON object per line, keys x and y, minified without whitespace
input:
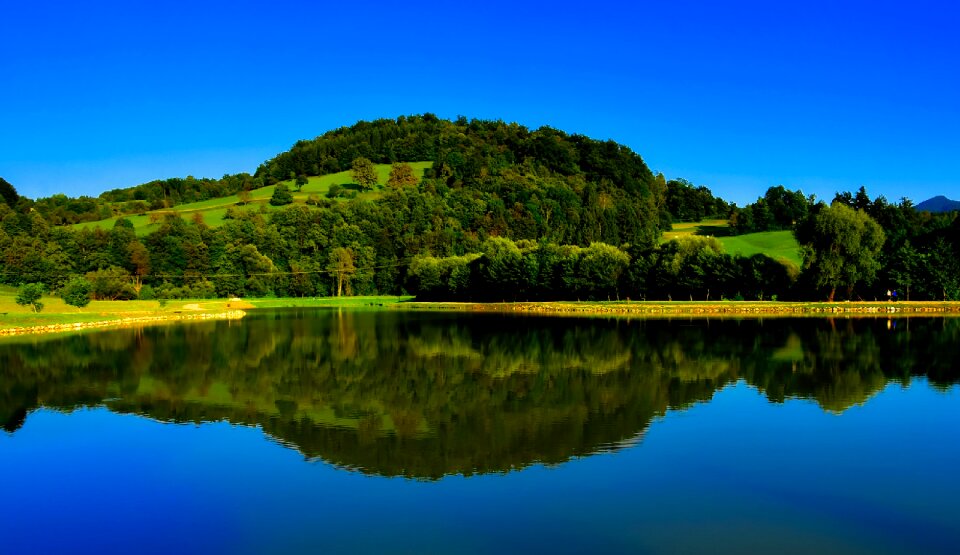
{"x":77,"y":292}
{"x":147,"y":293}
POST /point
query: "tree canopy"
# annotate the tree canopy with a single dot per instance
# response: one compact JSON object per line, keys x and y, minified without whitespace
{"x":841,"y":247}
{"x":8,"y":193}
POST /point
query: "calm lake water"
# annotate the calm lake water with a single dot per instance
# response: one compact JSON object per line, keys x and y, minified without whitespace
{"x":386,"y":432}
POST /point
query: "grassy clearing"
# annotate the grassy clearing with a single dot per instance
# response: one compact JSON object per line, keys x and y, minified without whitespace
{"x":779,"y":245}
{"x":213,"y":210}
{"x":704,"y":228}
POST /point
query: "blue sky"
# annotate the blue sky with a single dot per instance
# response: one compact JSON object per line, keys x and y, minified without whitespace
{"x":737,"y":96}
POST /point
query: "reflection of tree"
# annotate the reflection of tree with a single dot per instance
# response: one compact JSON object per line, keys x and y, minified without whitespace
{"x":431,"y":394}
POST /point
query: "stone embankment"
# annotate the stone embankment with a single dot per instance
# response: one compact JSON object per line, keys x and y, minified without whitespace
{"x":710,"y":309}
{"x":123,"y":322}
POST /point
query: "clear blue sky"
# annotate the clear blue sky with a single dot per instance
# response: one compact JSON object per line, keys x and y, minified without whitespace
{"x":735,"y":96}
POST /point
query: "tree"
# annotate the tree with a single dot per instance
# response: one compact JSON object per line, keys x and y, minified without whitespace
{"x":77,"y":292}
{"x":113,"y":283}
{"x":840,"y":247}
{"x":281,"y":195}
{"x":364,"y":174}
{"x":8,"y":193}
{"x":401,"y":175}
{"x":600,"y":267}
{"x":29,"y":294}
{"x":300,"y":182}
{"x":340,"y":267}
{"x":140,"y":259}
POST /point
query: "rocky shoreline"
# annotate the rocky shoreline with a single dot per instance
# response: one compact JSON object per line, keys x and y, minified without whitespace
{"x":123,"y":322}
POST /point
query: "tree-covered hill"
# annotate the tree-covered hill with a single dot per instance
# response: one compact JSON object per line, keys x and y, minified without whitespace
{"x":468,"y":210}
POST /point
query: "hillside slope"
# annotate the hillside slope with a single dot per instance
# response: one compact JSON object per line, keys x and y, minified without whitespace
{"x":214,"y":210}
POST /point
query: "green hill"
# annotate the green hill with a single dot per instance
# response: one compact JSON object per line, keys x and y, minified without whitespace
{"x":496,"y":212}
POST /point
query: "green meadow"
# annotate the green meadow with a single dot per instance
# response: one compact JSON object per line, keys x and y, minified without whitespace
{"x":779,"y":245}
{"x":213,"y":210}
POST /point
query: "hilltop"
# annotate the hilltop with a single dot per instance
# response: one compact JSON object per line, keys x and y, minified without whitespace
{"x":939,"y":204}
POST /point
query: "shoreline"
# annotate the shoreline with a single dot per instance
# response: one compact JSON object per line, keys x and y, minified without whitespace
{"x":706,"y":308}
{"x":607,"y":309}
{"x":127,"y":321}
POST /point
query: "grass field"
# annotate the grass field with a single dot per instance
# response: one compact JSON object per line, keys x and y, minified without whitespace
{"x":779,"y":245}
{"x":213,"y":210}
{"x":55,"y":311}
{"x":705,"y":228}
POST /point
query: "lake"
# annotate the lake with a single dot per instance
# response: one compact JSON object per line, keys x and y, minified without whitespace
{"x":328,"y":431}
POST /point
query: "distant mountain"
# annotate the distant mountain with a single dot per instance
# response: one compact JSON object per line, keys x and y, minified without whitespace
{"x":939,"y":204}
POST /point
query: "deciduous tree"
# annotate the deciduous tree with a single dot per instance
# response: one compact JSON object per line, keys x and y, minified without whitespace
{"x":77,"y":292}
{"x":364,"y":174}
{"x":281,"y":195}
{"x":341,"y":268}
{"x":401,"y":175}
{"x":840,"y":247}
{"x":29,"y":295}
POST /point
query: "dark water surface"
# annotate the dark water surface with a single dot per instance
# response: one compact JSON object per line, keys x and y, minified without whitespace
{"x":386,"y":432}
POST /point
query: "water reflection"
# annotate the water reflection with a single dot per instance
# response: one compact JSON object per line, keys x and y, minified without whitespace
{"x":426,"y":395}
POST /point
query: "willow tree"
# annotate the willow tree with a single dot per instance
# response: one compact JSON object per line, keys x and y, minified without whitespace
{"x":841,"y":247}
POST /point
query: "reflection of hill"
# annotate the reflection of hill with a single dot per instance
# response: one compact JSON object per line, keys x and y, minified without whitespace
{"x":424,"y":395}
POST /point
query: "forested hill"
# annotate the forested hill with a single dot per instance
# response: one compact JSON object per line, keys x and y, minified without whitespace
{"x":471,"y":153}
{"x":490,"y":211}
{"x":576,"y":203}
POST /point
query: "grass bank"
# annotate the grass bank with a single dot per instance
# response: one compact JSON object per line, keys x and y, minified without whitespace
{"x":57,"y":315}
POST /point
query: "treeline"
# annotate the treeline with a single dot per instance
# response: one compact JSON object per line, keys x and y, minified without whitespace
{"x":779,"y":209}
{"x":687,"y":202}
{"x":692,"y":268}
{"x":504,"y":213}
